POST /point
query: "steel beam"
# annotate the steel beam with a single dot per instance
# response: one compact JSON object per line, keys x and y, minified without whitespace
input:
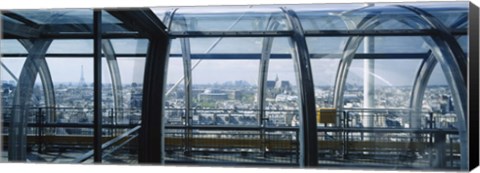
{"x":187,"y":80}
{"x":239,"y":56}
{"x":47,"y":83}
{"x":97,"y":87}
{"x":151,"y":142}
{"x":308,"y":124}
{"x":141,"y":20}
{"x":22,"y":98}
{"x":263,"y":71}
{"x":263,"y":77}
{"x":419,"y":86}
{"x":19,"y":31}
{"x":194,"y":34}
{"x":73,"y":35}
{"x":114,"y":76}
{"x":21,"y":19}
{"x":151,"y":138}
{"x":473,"y":84}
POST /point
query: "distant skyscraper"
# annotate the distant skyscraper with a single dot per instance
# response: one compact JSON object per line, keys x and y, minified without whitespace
{"x":82,"y":79}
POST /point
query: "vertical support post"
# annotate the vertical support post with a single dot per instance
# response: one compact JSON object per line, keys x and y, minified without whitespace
{"x":440,"y":147}
{"x":368,"y":83}
{"x":97,"y":88}
{"x":151,"y":145}
{"x":473,"y":73}
{"x":308,"y":120}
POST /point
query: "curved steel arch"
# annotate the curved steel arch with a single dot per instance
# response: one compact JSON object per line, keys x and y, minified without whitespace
{"x":440,"y":49}
{"x":454,"y":64}
{"x":115,"y":77}
{"x":34,"y":64}
{"x":187,"y":80}
{"x":308,"y":130}
{"x":267,"y":43}
{"x":45,"y":77}
{"x":263,"y":70}
{"x":351,"y":46}
{"x":423,"y":75}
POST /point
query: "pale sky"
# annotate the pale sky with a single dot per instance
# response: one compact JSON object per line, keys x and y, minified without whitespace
{"x":65,"y":70}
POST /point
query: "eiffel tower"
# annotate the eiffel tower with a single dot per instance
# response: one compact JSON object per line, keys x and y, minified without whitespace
{"x":82,"y":83}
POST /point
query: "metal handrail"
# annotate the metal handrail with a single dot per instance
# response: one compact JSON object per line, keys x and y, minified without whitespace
{"x":107,"y":144}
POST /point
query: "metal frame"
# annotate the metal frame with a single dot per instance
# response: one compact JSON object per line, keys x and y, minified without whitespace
{"x":262,"y":78}
{"x":454,"y":64}
{"x":151,"y":141}
{"x":244,"y":56}
{"x":112,"y":63}
{"x":45,"y":77}
{"x":187,"y":79}
{"x":473,"y":85}
{"x":449,"y":63}
{"x":445,"y":51}
{"x":97,"y":86}
{"x":423,"y":75}
{"x":34,"y":63}
{"x":308,"y":124}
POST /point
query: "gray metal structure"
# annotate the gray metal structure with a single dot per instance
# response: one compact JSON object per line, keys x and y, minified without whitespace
{"x":441,"y":40}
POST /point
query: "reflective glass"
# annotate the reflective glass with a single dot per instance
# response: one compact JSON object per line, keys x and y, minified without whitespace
{"x":71,"y":46}
{"x":463,"y":42}
{"x":281,"y":89}
{"x":325,"y":16}
{"x":175,"y":92}
{"x":11,"y":46}
{"x":326,"y":45}
{"x":398,"y":45}
{"x":11,"y":68}
{"x":226,"y":45}
{"x":234,"y":19}
{"x":129,"y":46}
{"x":451,"y":14}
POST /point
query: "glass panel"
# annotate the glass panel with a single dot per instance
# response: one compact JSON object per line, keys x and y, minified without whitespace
{"x":393,"y":80}
{"x":226,"y":45}
{"x":10,"y":71}
{"x":439,"y":113}
{"x":228,"y":19}
{"x":71,"y":46}
{"x":70,"y":16}
{"x":233,"y":86}
{"x":396,"y":44}
{"x":8,"y":19}
{"x":175,"y":95}
{"x":161,"y":13}
{"x":324,"y":72}
{"x":325,"y":16}
{"x":13,"y":65}
{"x":281,"y":95}
{"x":463,"y":41}
{"x":129,"y":46}
{"x":11,"y":46}
{"x":326,"y":45}
{"x":449,"y":13}
{"x":122,"y":97}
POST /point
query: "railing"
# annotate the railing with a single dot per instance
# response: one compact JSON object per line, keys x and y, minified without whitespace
{"x":388,"y":140}
{"x":234,"y":136}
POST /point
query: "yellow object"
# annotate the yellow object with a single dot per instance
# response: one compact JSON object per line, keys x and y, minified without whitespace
{"x":327,"y":115}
